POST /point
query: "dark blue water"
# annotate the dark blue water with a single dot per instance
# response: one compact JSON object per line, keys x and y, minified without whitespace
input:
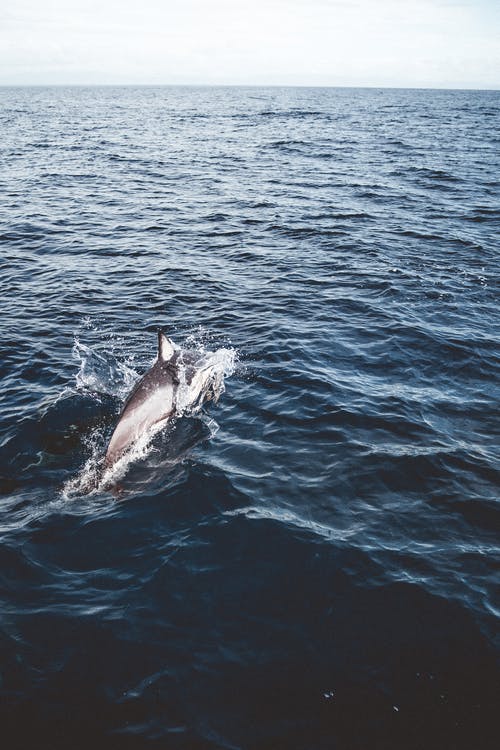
{"x":314,"y":563}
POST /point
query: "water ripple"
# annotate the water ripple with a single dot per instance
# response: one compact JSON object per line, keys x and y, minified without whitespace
{"x":314,"y":563}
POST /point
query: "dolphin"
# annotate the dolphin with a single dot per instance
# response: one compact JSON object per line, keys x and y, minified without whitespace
{"x":178,"y":382}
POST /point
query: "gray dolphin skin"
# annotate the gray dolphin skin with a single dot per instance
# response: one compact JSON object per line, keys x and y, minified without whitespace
{"x":177,"y":382}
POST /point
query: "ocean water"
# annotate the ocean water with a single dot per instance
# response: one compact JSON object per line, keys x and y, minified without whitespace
{"x":313,"y":562}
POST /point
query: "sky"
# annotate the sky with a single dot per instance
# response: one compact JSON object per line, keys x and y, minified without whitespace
{"x":408,"y":43}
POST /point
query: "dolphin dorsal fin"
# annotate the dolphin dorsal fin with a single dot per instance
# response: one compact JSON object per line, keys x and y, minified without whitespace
{"x":165,"y":348}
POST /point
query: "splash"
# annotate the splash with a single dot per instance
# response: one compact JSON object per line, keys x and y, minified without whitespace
{"x":102,"y":373}
{"x":213,"y":366}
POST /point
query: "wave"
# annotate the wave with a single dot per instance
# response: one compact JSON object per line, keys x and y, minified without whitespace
{"x":288,"y":517}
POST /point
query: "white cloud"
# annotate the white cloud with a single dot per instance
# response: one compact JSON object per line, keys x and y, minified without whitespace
{"x":322,"y":42}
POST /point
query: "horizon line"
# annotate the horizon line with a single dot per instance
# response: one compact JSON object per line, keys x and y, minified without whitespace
{"x":250,"y":85}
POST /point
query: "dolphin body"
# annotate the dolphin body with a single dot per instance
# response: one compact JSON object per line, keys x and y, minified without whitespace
{"x":177,"y":382}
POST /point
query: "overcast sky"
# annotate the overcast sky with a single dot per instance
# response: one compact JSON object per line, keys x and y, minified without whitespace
{"x":436,"y":43}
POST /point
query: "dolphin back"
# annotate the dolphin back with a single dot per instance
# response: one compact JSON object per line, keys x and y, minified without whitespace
{"x":151,"y":401}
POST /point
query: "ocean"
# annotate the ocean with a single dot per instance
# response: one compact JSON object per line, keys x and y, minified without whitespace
{"x":312,"y":563}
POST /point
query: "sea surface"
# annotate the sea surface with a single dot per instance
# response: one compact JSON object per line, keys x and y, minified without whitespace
{"x":312,"y":563}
